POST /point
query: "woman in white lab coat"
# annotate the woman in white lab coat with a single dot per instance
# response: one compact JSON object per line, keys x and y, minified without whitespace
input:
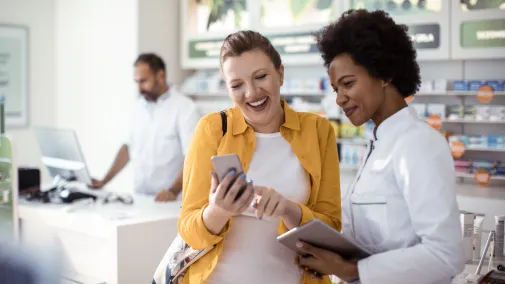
{"x":402,"y":205}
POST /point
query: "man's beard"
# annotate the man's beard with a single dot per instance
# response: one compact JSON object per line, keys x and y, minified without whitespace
{"x":149,"y":95}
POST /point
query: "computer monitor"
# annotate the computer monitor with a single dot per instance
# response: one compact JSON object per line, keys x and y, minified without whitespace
{"x":62,"y":155}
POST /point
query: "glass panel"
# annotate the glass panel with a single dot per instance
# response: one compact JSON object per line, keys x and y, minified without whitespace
{"x":206,"y":16}
{"x":472,"y":5}
{"x":284,"y":13}
{"x":400,"y":7}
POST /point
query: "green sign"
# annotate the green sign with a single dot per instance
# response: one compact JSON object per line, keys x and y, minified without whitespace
{"x":295,"y":43}
{"x":204,"y":48}
{"x":285,"y":44}
{"x":483,"y":33}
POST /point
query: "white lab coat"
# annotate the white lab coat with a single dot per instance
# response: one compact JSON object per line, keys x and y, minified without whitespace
{"x":402,"y":206}
{"x":158,"y":138}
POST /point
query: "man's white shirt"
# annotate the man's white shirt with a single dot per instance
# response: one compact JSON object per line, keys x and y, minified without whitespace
{"x":158,"y":138}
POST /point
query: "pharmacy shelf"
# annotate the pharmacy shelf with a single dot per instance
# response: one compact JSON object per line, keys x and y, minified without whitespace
{"x":213,"y":95}
{"x":322,"y":94}
{"x":455,"y":93}
{"x":484,"y":149}
{"x":472,"y":121}
{"x":471,"y":176}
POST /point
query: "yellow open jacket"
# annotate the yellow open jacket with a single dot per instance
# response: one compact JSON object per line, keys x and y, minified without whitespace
{"x":312,"y":139}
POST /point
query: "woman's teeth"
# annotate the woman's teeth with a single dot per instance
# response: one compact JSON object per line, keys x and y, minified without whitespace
{"x":258,"y":103}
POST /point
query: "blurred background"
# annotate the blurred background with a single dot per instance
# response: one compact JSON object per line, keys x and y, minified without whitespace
{"x":68,"y":65}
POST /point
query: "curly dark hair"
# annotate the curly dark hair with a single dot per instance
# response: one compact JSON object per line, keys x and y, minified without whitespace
{"x":376,"y":42}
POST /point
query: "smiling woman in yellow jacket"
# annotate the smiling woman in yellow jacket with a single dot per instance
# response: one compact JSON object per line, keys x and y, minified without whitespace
{"x":290,"y":157}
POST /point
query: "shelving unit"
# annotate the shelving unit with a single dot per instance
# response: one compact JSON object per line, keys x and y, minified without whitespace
{"x":484,"y":149}
{"x":472,"y":121}
{"x":214,"y":95}
{"x":471,"y":176}
{"x":456,"y":93}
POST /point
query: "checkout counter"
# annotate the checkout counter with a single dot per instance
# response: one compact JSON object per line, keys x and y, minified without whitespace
{"x":94,"y":241}
{"x":112,"y":243}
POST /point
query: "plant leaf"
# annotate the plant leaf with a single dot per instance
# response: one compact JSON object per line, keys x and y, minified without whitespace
{"x":299,"y":6}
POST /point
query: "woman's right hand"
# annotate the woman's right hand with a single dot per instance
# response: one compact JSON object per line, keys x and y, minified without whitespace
{"x":222,"y":195}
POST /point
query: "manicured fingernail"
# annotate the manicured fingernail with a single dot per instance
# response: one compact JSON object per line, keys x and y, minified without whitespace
{"x":242,"y":176}
{"x":251,"y":183}
{"x":299,"y":244}
{"x":232,"y":172}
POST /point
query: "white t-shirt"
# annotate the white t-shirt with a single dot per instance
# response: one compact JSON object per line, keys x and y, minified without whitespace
{"x":251,"y":253}
{"x":158,"y":139}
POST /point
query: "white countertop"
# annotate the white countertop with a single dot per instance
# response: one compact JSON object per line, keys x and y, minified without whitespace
{"x":99,"y":219}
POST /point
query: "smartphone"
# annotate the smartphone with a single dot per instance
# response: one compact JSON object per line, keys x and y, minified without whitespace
{"x":223,"y":164}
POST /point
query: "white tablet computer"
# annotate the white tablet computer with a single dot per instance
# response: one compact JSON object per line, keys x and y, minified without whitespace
{"x":319,"y":234}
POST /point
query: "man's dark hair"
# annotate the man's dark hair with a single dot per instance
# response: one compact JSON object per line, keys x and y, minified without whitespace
{"x":376,"y":42}
{"x":154,"y":61}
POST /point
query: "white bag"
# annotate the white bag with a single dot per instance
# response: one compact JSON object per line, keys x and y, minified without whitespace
{"x":176,"y":262}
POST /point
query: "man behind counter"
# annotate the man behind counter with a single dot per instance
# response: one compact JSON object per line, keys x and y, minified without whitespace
{"x":159,"y":133}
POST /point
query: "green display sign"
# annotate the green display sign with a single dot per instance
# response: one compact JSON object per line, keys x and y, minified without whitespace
{"x":482,"y":33}
{"x":286,"y":44}
{"x":295,"y":43}
{"x":207,"y":48}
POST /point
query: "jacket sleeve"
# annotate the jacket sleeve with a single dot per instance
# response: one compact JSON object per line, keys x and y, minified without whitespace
{"x":196,"y":184}
{"x":327,"y":206}
{"x":428,"y":186}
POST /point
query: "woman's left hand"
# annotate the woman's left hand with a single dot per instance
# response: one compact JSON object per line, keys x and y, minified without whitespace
{"x":325,"y":262}
{"x":269,"y":202}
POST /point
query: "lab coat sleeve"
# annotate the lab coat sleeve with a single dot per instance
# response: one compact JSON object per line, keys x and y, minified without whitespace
{"x":427,"y":179}
{"x":327,"y":205}
{"x":187,"y":121}
{"x":196,"y":184}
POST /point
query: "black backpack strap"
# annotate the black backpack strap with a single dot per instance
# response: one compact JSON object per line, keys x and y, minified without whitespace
{"x":224,"y":122}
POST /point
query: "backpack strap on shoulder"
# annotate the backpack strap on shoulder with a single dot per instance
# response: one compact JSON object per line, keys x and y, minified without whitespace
{"x":224,"y":121}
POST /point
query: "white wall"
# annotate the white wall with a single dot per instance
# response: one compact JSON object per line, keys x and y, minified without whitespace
{"x":38,"y":16}
{"x":159,"y":32}
{"x":96,"y":44}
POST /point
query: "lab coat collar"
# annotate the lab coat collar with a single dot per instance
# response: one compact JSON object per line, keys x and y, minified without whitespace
{"x":291,"y":119}
{"x":393,"y":124}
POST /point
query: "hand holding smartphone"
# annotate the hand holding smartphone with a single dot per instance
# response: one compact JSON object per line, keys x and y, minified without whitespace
{"x":223,"y":164}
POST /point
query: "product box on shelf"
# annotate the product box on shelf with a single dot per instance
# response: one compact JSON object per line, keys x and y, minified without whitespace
{"x":351,"y":155}
{"x":483,"y":165}
{"x":420,"y":109}
{"x":461,"y":85}
{"x":426,"y":86}
{"x":496,"y":141}
{"x":479,"y":141}
{"x":463,"y":166}
{"x":440,"y":85}
{"x":466,"y":219}
{"x":436,"y":109}
{"x":476,"y":84}
{"x":496,"y":113}
{"x":469,"y":112}
{"x":500,"y":169}
{"x":496,"y":85}
{"x":482,"y":112}
{"x":455,"y":112}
